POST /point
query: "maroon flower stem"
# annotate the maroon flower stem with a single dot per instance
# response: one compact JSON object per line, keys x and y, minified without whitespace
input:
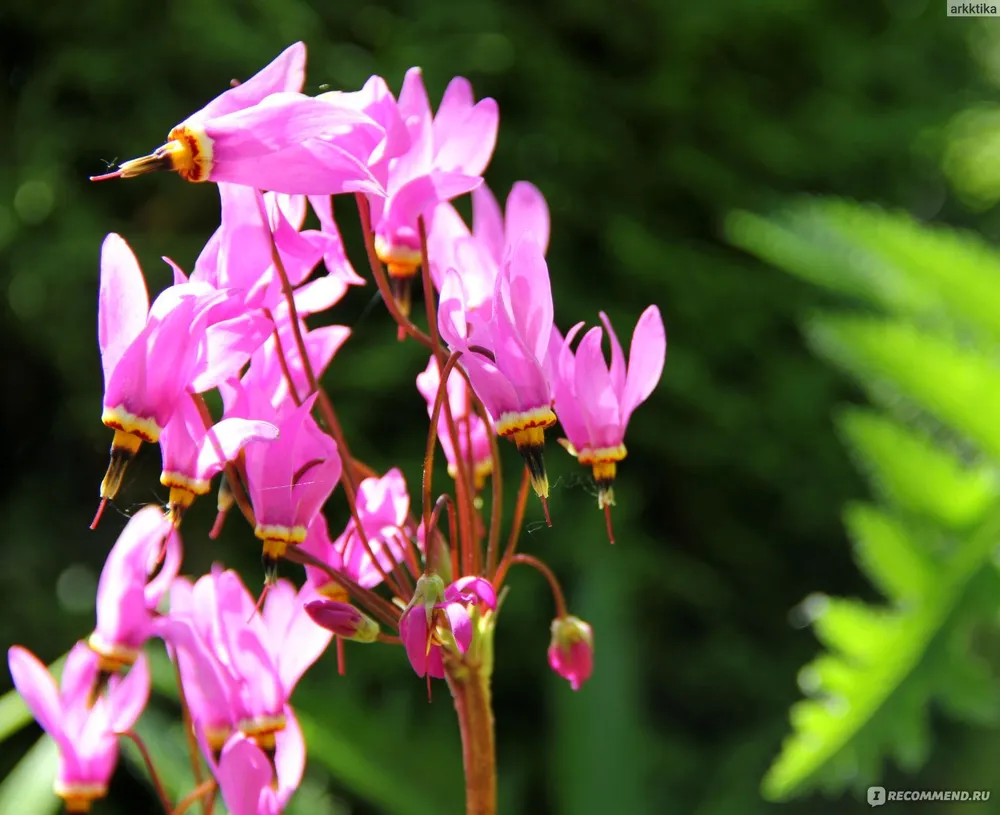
{"x":439,"y":401}
{"x":197,"y":793}
{"x":325,"y":407}
{"x":154,"y":777}
{"x":192,"y":742}
{"x":378,"y":606}
{"x":515,"y":530}
{"x":464,"y":488}
{"x":548,"y":574}
{"x":470,"y":688}
{"x":282,"y":361}
{"x":364,"y":212}
{"x":444,"y":501}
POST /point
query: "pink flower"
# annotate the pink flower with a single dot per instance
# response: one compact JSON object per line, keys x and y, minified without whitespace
{"x":503,"y":357}
{"x":446,"y":158}
{"x":594,"y":403}
{"x":262,"y":655}
{"x":439,"y":617}
{"x":85,"y":733}
{"x":193,"y":454}
{"x":149,"y":355}
{"x":383,"y":505}
{"x":473,"y":433}
{"x":264,"y":134}
{"x":289,"y":479}
{"x":126,"y":595}
{"x":571,"y":652}
{"x":342,"y":619}
{"x":246,"y":774}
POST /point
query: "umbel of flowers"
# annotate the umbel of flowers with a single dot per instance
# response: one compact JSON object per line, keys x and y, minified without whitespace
{"x":422,"y":572}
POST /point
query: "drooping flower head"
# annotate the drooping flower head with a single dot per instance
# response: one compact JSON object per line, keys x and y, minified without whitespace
{"x":571,"y":651}
{"x":193,"y":453}
{"x":83,"y":729}
{"x":441,"y":618}
{"x":265,"y":134}
{"x":594,"y":402}
{"x":128,"y":591}
{"x":446,"y":158}
{"x":473,"y":433}
{"x":504,"y":357}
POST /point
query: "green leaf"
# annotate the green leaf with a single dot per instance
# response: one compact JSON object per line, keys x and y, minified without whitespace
{"x":957,"y":385}
{"x":914,"y":475}
{"x":28,"y":787}
{"x":889,"y":555}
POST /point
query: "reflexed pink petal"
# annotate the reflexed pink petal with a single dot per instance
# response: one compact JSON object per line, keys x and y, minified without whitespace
{"x":491,"y":386}
{"x":530,"y":293}
{"x":413,"y":101}
{"x":78,"y":676}
{"x":488,"y":222}
{"x":456,"y":103}
{"x":461,"y":625}
{"x":227,"y":347}
{"x":526,"y":213}
{"x":287,"y":72}
{"x":472,"y":589}
{"x":469,"y":146}
{"x":127,"y":699}
{"x":38,"y":689}
{"x":617,"y":359}
{"x":172,"y":555}
{"x":413,"y":632}
{"x":224,"y":441}
{"x":337,"y":262}
{"x":302,"y":643}
{"x":122,"y":302}
{"x":289,"y":757}
{"x":647,"y":353}
{"x":595,"y":392}
{"x":451,"y":310}
{"x":243,"y":773}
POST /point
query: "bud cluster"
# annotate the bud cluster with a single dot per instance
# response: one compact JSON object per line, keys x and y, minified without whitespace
{"x":427,"y":578}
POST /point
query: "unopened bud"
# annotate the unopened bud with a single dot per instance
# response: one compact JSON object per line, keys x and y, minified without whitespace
{"x":571,"y":651}
{"x":343,"y":619}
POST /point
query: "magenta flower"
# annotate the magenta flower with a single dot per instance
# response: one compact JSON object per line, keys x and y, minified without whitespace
{"x":342,"y":619}
{"x":84,"y":732}
{"x":288,"y":479}
{"x":126,"y":596}
{"x":473,"y":433}
{"x":193,"y":454}
{"x":571,"y":651}
{"x":439,"y":617}
{"x":246,"y":775}
{"x":594,"y":403}
{"x":264,"y":134}
{"x":446,"y":158}
{"x":504,"y":356}
{"x":149,"y":355}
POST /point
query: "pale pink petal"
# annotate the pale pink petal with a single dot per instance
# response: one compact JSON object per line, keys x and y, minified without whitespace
{"x":530,"y":294}
{"x":491,"y":386}
{"x":461,"y":625}
{"x":451,"y":311}
{"x":319,"y":294}
{"x":303,"y":642}
{"x":526,"y":213}
{"x":337,"y":262}
{"x":38,"y":690}
{"x":122,"y":302}
{"x":224,"y":441}
{"x":226,"y":349}
{"x":78,"y":676}
{"x":468,"y":147}
{"x":457,"y":101}
{"x":289,"y":757}
{"x":167,"y":574}
{"x":647,"y":353}
{"x":243,"y":774}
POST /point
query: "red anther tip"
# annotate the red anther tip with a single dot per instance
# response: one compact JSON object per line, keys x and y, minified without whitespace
{"x":545,"y":509}
{"x":341,"y":667}
{"x":216,"y":529}
{"x":607,"y":519}
{"x":100,"y":512}
{"x":260,"y":602}
{"x":107,"y":176}
{"x":429,"y":699}
{"x":400,"y":333}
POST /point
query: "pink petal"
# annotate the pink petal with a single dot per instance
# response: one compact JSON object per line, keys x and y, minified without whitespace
{"x":468,"y":147}
{"x":451,"y":310}
{"x":413,"y":631}
{"x":337,"y":262}
{"x":526,"y":213}
{"x":38,"y":689}
{"x":472,"y":589}
{"x":166,"y":576}
{"x":488,"y":222}
{"x":595,"y":392}
{"x":302,"y":643}
{"x":122,"y":302}
{"x":461,"y":625}
{"x":530,"y":294}
{"x":227,"y":347}
{"x":413,"y":102}
{"x":78,"y":676}
{"x":287,"y":72}
{"x":491,"y":386}
{"x":243,"y":774}
{"x":647,"y":353}
{"x":128,"y":698}
{"x":289,"y":757}
{"x":617,"y":358}
{"x":457,"y":101}
{"x":226,"y":439}
{"x":319,"y":295}
{"x":279,"y":608}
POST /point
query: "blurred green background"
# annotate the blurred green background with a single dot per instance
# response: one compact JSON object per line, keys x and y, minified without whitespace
{"x":644,"y":123}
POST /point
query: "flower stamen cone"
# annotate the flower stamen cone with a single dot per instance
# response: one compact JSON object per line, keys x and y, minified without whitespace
{"x":527,"y":431}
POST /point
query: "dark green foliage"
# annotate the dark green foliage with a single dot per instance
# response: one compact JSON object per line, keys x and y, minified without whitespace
{"x":643,"y":123}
